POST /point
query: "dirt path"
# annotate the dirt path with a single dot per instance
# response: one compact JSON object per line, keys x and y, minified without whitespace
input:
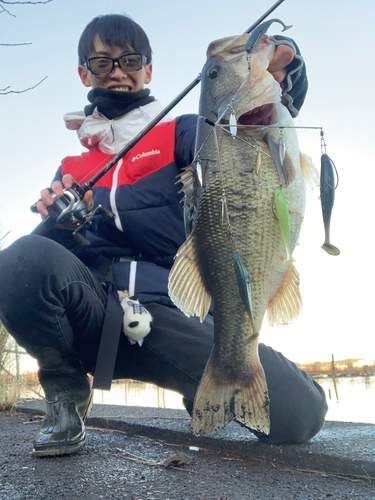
{"x":114,"y":466}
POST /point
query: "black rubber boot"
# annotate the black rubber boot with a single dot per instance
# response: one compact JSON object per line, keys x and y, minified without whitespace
{"x":68,"y":396}
{"x":188,"y":405}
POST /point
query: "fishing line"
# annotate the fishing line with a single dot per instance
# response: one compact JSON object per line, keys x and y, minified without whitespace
{"x":229,"y":105}
{"x":197,"y":80}
{"x":223,"y":127}
{"x":323,"y":145}
{"x":206,"y":139}
{"x":224,"y":204}
{"x":265,"y":127}
{"x":214,"y":127}
{"x":96,"y":167}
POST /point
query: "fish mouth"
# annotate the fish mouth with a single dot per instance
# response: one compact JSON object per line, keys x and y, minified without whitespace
{"x":257,"y":116}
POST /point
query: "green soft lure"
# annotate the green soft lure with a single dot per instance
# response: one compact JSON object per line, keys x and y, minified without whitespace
{"x":281,"y":213}
{"x":244,"y":288}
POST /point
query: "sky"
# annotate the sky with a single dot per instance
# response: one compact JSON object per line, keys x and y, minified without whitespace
{"x":336,"y":40}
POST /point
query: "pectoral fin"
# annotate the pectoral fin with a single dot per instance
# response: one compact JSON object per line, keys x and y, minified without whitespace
{"x":309,"y":172}
{"x":287,"y":303}
{"x":185,"y":285}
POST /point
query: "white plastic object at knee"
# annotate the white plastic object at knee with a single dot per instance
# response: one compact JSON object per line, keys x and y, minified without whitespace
{"x":137,"y":320}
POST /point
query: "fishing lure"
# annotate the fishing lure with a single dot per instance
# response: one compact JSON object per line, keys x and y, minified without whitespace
{"x":327,"y":198}
{"x":258,"y":33}
{"x":233,"y":125}
{"x":244,"y":288}
{"x":281,"y":213}
{"x":282,"y":150}
{"x":283,"y":164}
{"x":258,"y":161}
{"x":198,"y":170}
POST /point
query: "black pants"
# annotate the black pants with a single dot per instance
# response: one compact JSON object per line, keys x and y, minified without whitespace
{"x":54,"y":307}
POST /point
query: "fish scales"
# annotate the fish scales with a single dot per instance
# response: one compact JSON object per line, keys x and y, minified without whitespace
{"x":233,"y":212}
{"x":255,"y":228}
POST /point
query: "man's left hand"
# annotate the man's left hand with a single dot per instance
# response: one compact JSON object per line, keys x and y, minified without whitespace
{"x":284,"y":55}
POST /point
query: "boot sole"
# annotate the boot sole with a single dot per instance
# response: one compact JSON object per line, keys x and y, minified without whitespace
{"x":57,"y":451}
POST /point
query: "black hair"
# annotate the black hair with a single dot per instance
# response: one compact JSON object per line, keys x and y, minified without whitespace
{"x":113,"y":30}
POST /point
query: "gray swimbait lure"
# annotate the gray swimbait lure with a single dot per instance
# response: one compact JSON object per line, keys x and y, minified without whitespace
{"x":327,"y":198}
{"x":258,"y":33}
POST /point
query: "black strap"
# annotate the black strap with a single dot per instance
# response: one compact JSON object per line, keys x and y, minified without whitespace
{"x":107,"y":353}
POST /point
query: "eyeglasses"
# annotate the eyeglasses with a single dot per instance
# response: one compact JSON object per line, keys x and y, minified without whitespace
{"x":105,"y":65}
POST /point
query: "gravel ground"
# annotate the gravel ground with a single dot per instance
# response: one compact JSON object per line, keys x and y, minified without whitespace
{"x":114,"y":466}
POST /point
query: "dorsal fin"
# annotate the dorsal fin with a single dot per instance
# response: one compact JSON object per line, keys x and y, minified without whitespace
{"x":287,"y":303}
{"x":186,"y":177}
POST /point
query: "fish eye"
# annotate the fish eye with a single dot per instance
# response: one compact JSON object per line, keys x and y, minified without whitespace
{"x":213,"y":71}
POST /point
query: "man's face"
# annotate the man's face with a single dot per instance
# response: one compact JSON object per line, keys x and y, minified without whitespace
{"x":117,"y":79}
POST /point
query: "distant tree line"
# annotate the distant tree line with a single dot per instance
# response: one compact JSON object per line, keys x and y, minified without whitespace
{"x":354,"y":364}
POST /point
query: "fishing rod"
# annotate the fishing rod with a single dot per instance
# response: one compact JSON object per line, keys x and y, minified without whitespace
{"x":263,"y":17}
{"x":70,"y":211}
{"x":70,"y":207}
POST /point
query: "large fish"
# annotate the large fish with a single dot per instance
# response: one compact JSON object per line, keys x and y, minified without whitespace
{"x":237,"y":253}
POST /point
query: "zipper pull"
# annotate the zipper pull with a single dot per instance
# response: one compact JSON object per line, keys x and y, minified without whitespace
{"x":113,"y":132}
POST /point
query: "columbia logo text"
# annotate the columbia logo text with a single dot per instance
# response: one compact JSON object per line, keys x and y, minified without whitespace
{"x":143,"y":155}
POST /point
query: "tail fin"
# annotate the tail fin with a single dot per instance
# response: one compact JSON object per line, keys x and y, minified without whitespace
{"x":331,"y":249}
{"x":219,"y":400}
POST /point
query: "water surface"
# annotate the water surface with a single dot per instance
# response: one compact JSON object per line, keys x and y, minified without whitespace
{"x":350,"y":399}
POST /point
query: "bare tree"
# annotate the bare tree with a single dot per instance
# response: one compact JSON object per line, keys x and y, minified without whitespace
{"x":4,"y":9}
{"x":11,"y":2}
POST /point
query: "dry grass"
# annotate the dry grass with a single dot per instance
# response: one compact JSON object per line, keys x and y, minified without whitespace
{"x":8,"y":387}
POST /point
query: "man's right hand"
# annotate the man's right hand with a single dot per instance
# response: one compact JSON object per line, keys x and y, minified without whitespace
{"x":58,"y":189}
